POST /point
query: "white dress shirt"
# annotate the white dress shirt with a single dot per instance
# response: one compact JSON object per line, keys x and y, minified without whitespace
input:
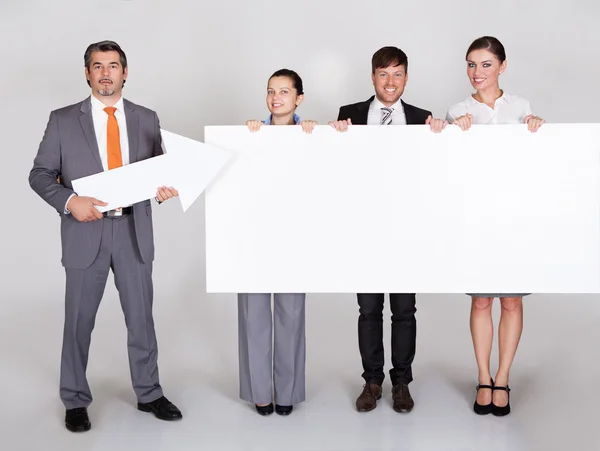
{"x":375,"y":113}
{"x":508,"y":109}
{"x":100,"y":119}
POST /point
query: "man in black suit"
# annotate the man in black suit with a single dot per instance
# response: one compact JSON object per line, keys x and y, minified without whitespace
{"x":389,"y":75}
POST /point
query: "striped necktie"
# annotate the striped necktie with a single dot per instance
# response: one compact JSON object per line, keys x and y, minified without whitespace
{"x":386,"y":118}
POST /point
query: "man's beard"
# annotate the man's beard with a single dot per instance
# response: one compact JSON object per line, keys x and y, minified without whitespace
{"x":106,"y":92}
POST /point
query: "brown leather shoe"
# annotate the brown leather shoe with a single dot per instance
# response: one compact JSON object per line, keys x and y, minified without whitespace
{"x":367,"y":400}
{"x":403,"y":402}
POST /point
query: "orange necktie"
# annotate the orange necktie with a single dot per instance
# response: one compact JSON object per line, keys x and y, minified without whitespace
{"x":113,"y":141}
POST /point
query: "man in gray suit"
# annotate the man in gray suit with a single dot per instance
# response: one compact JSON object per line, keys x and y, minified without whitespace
{"x":101,"y":133}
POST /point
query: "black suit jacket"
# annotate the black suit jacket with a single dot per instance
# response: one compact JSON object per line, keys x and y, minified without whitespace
{"x":359,"y":112}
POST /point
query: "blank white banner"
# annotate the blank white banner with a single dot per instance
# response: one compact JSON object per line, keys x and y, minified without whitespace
{"x":496,"y":209}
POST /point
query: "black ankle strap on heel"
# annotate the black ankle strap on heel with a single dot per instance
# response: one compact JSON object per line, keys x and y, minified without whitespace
{"x":480,"y":409}
{"x":501,"y":411}
{"x":489,"y":387}
{"x":506,"y":389}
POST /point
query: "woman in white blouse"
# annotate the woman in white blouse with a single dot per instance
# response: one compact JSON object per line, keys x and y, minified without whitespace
{"x":486,"y":60}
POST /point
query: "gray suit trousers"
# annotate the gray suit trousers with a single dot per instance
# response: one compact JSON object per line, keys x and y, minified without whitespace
{"x":261,"y":369}
{"x":84,"y":290}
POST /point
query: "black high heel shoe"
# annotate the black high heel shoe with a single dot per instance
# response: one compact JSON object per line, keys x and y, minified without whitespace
{"x":483,"y":409}
{"x":283,"y":410}
{"x":501,"y":411}
{"x":264,"y":410}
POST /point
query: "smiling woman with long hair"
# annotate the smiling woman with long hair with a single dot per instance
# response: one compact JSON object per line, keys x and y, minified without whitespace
{"x":486,"y":61}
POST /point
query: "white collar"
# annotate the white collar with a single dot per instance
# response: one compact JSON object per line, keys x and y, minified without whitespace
{"x":376,"y":104}
{"x":99,"y":106}
{"x":504,"y":98}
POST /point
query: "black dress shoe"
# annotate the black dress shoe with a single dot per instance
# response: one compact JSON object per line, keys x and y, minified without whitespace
{"x":283,"y":410}
{"x":162,"y":409}
{"x":403,"y":402}
{"x":367,"y":400}
{"x":480,"y":409}
{"x":264,"y":410}
{"x":77,"y":420}
{"x":505,"y":410}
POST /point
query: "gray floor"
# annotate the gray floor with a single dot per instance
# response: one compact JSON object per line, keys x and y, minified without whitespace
{"x":554,"y":382}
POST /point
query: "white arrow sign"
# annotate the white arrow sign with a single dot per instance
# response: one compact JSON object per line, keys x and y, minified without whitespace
{"x":188,"y":166}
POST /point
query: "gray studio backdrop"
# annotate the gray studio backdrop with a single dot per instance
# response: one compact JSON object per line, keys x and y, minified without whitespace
{"x":203,"y":63}
{"x":206,"y":62}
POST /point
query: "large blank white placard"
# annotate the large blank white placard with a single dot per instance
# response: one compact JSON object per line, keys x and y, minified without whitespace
{"x":496,"y":209}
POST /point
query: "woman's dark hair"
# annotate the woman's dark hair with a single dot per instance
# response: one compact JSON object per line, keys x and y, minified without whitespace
{"x":104,"y":46}
{"x":296,"y":80}
{"x":488,"y":43}
{"x":389,"y":56}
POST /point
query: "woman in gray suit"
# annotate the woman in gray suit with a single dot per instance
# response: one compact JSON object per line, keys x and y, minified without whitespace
{"x":260,"y":331}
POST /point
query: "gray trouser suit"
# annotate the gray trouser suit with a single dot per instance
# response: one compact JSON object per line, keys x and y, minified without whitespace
{"x":261,"y":369}
{"x":84,"y":290}
{"x":69,"y":150}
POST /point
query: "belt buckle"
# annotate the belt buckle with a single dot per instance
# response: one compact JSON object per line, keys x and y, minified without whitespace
{"x":115,"y":213}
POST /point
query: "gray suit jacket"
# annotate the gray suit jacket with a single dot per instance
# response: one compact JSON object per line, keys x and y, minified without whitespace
{"x":69,"y":150}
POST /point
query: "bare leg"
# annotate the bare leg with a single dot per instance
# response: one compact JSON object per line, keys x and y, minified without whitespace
{"x":509,"y":334}
{"x":482,"y":332}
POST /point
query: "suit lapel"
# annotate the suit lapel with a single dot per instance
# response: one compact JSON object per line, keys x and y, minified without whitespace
{"x":362,"y":112}
{"x":411,"y":119}
{"x":87,"y":124}
{"x":133,"y":129}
